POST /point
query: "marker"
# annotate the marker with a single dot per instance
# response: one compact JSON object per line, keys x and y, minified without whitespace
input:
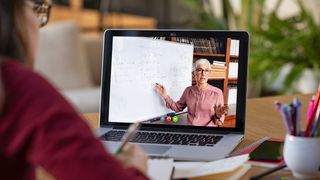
{"x":175,"y":114}
{"x":283,"y":115}
{"x":297,"y":105}
{"x":313,"y":110}
{"x":163,"y":118}
{"x":317,"y":131}
{"x":159,"y":85}
{"x":165,"y":115}
{"x":175,"y":119}
{"x":292,"y":114}
{"x":316,"y":125}
{"x":309,"y":117}
{"x":286,"y":120}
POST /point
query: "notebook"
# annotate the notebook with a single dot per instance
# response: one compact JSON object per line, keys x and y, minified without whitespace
{"x":160,"y":168}
{"x":229,"y":168}
{"x":134,"y":61}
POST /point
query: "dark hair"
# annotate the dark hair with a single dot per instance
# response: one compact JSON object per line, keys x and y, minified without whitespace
{"x":13,"y":39}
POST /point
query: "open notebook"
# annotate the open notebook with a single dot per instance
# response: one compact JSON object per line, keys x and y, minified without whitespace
{"x":229,"y":168}
{"x":160,"y":168}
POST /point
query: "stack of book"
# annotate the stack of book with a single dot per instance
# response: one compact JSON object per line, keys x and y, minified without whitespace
{"x":218,"y":70}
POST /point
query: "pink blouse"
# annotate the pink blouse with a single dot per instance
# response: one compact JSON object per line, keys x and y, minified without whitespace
{"x":200,"y":104}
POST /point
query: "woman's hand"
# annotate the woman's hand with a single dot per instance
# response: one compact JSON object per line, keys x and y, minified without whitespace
{"x":161,"y":90}
{"x":133,"y":156}
{"x":221,"y":110}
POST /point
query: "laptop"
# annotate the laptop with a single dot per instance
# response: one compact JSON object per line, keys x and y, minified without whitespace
{"x":134,"y":61}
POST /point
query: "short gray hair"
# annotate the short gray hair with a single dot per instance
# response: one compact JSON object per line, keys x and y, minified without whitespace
{"x":200,"y":61}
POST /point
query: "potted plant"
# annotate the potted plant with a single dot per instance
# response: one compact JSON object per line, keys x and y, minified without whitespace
{"x":287,"y":47}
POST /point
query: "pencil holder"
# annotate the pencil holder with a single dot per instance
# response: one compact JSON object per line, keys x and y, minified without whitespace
{"x":302,"y":156}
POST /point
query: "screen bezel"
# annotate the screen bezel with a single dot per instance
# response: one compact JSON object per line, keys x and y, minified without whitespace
{"x":241,"y":87}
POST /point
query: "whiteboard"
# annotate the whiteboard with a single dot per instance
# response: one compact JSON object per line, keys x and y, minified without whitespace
{"x":137,"y":64}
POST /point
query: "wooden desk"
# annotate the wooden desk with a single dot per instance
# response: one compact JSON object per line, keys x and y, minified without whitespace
{"x":261,"y":120}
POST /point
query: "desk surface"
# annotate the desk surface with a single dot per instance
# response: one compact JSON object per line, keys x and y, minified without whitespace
{"x":261,"y":120}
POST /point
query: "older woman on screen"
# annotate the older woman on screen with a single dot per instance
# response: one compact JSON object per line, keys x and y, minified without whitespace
{"x":205,"y":102}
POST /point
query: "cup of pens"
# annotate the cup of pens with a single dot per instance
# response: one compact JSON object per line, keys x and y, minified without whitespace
{"x":302,"y":156}
{"x":302,"y":147}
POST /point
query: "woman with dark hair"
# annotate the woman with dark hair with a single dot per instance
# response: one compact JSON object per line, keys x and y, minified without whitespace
{"x":38,"y":127}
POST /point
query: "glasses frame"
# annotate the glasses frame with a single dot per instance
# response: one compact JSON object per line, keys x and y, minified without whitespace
{"x":204,"y":71}
{"x":42,"y":8}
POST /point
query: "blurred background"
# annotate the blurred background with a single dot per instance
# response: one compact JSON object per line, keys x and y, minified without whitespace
{"x":284,"y":34}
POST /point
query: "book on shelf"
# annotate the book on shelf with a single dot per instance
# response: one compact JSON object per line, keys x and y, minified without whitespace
{"x":216,"y":76}
{"x":216,"y":45}
{"x":218,"y":70}
{"x":219,"y":63}
{"x":160,"y":38}
{"x":233,"y":70}
{"x":234,"y":47}
{"x":232,"y":94}
{"x":202,"y":45}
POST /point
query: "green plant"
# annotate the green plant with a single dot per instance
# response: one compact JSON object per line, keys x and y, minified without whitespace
{"x":274,"y":42}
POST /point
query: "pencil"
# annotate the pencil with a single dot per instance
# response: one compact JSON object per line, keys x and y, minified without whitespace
{"x":272,"y":170}
{"x":130,"y":134}
{"x":313,"y":112}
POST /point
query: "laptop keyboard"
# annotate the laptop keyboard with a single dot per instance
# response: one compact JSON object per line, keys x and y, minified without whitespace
{"x":165,"y":138}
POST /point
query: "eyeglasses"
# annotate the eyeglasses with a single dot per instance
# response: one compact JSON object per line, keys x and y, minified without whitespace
{"x":42,"y":8}
{"x":204,"y":71}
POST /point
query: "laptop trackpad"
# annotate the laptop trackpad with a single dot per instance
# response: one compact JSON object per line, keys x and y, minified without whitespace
{"x":155,"y":149}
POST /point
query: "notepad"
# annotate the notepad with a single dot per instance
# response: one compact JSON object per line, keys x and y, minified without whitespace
{"x":230,"y":175}
{"x":160,"y":168}
{"x":198,"y":169}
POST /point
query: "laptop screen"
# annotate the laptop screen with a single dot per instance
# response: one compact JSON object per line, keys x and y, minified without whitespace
{"x":172,"y":78}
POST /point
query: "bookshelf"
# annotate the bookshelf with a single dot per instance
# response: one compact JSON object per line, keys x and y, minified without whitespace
{"x":223,"y":57}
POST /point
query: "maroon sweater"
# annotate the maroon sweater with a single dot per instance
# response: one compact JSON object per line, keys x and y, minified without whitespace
{"x":38,"y":127}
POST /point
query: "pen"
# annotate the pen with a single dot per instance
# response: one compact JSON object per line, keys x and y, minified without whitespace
{"x":315,"y":127}
{"x":297,"y":105}
{"x":313,"y":112}
{"x":292,"y":115}
{"x":309,"y":119}
{"x":258,"y":176}
{"x":284,"y":118}
{"x":128,"y":136}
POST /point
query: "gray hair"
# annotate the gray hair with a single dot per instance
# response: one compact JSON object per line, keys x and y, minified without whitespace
{"x":200,"y":61}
